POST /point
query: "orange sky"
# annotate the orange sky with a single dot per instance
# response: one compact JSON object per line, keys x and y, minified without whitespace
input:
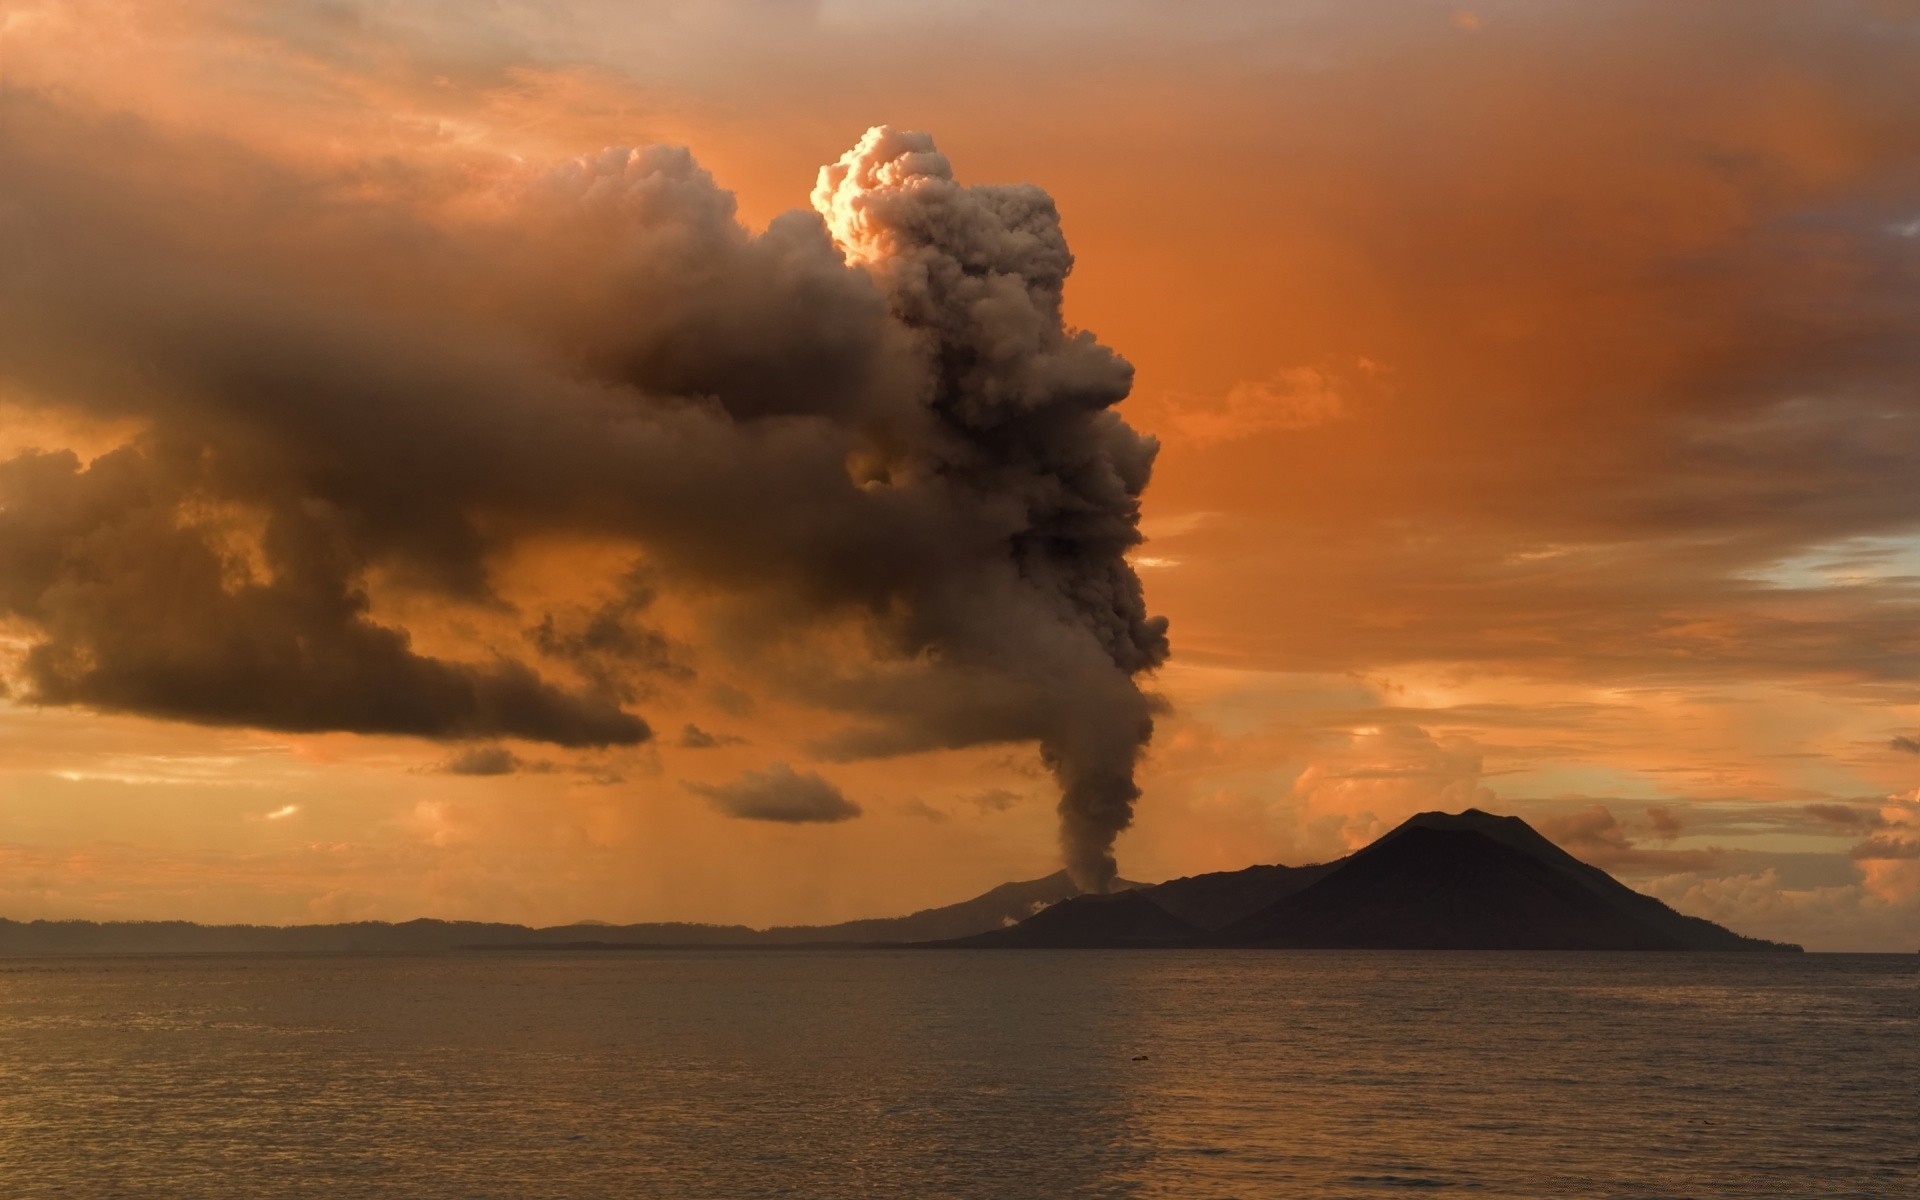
{"x":1535,"y":386}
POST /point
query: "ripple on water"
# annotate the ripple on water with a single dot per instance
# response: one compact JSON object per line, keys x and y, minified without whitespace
{"x":964,"y":1075}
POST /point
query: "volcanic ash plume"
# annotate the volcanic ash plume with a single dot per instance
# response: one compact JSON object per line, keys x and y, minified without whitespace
{"x":341,"y":393}
{"x":1022,"y":423}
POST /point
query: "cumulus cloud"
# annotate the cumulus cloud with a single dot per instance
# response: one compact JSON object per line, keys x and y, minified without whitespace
{"x":1763,"y":904}
{"x":1866,"y":899}
{"x":781,"y":794}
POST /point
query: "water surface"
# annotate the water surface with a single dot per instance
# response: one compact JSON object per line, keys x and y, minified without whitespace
{"x":960,"y":1074}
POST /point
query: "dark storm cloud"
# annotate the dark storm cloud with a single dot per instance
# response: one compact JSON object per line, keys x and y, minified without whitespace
{"x":141,"y":612}
{"x":779,"y":793}
{"x":335,"y":386}
{"x":1905,"y":745}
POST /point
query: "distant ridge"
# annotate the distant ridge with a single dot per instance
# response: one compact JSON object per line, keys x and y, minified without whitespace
{"x":1003,"y":906}
{"x":1440,"y":881}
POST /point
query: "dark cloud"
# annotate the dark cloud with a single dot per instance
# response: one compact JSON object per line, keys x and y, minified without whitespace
{"x":692,"y":737}
{"x":779,"y":793}
{"x":1845,"y":816}
{"x":1905,"y":745}
{"x":608,"y":645}
{"x":914,"y":440}
{"x":484,"y":760}
{"x":730,"y":700}
{"x":1665,"y":823}
{"x":142,"y":612}
{"x":994,"y":800}
{"x":1594,"y":835}
{"x":990,"y":800}
{"x":917,"y":807}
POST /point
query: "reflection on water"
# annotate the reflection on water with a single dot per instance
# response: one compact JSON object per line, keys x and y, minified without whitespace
{"x":965,"y":1074}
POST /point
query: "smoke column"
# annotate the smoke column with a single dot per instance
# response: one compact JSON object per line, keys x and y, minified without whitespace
{"x":1023,"y":413}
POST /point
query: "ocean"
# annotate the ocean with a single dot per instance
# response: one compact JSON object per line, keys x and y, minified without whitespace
{"x":921,"y":1074}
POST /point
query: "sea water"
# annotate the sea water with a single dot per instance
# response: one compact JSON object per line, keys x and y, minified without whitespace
{"x":920,"y":1074}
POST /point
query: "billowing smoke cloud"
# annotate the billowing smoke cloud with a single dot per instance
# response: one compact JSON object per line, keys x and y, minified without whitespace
{"x":141,"y":611}
{"x":392,"y":376}
{"x":1023,"y":417}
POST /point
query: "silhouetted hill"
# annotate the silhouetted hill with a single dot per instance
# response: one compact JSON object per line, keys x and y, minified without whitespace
{"x":1465,"y":881}
{"x":1656,"y":918}
{"x":1005,"y":905}
{"x":408,"y":937}
{"x":1218,"y":899}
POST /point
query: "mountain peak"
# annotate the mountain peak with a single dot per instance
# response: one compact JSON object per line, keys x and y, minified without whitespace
{"x":1469,"y":818}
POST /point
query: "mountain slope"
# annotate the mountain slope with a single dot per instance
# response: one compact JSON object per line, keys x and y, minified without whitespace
{"x":1218,"y":899}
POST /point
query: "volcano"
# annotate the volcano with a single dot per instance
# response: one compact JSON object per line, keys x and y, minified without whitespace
{"x":1441,"y":881}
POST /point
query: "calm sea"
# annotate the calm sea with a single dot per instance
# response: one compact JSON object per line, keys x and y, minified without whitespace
{"x":976,"y":1074}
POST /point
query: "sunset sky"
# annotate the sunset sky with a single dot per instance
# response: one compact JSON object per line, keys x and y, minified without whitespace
{"x":1537,"y":390}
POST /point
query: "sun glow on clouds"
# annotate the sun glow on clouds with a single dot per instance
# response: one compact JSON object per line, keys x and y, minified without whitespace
{"x":1586,"y":551}
{"x":1848,"y":562}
